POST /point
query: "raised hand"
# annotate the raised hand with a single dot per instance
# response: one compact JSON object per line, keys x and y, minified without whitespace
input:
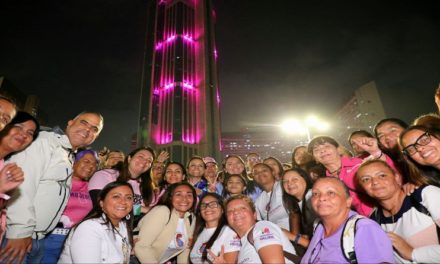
{"x":218,"y":259}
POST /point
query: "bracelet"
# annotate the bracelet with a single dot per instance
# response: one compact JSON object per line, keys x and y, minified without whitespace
{"x":297,"y":237}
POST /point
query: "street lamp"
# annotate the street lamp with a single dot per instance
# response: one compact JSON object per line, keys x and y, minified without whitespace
{"x":294,"y":126}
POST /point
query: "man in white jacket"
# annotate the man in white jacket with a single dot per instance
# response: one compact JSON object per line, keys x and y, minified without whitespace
{"x":36,"y":207}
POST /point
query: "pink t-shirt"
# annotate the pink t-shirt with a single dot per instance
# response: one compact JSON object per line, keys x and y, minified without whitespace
{"x":78,"y":205}
{"x":101,"y":178}
{"x":349,"y":166}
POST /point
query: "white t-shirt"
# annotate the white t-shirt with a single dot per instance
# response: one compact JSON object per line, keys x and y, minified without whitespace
{"x":178,"y":242}
{"x":227,"y":238}
{"x":277,"y":213}
{"x":265,"y":233}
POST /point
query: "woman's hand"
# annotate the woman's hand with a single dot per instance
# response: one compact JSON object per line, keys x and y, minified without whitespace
{"x":220,"y":258}
{"x":409,"y":188}
{"x":402,"y":247}
{"x":16,"y":249}
{"x":11,"y":176}
{"x":163,"y":156}
{"x":369,"y":145}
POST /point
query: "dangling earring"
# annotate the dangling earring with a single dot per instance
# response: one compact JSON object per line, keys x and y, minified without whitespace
{"x":127,"y":217}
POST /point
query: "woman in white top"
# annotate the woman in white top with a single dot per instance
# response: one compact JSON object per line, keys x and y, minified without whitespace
{"x":297,"y":194}
{"x":104,"y":236}
{"x":270,"y":203}
{"x":212,"y":233}
{"x":261,"y":242}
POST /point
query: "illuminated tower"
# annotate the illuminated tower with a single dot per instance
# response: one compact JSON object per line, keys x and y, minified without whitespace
{"x":180,"y":100}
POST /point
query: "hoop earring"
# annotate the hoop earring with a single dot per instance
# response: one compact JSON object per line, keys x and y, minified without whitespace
{"x":127,"y":217}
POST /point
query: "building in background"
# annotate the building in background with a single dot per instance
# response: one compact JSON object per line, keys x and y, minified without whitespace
{"x":267,"y":143}
{"x":180,"y":101}
{"x":362,"y":111}
{"x":24,"y":102}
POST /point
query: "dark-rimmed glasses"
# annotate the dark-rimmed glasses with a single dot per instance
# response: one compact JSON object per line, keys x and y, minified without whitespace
{"x":212,"y":205}
{"x":423,"y":140}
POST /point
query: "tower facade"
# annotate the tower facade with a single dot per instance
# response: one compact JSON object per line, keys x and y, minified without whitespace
{"x":180,"y":100}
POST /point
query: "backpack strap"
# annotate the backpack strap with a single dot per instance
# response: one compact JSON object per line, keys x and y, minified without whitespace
{"x":292,"y":257}
{"x":348,"y":236}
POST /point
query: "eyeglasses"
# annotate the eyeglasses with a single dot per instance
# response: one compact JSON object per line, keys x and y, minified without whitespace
{"x":212,"y":205}
{"x":423,"y":140}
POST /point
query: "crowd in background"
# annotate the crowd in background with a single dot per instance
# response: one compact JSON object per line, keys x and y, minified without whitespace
{"x":62,"y":202}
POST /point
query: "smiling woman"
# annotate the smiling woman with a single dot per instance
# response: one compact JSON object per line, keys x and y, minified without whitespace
{"x":134,"y":170}
{"x":331,"y":201}
{"x":421,"y":148}
{"x":166,"y":231}
{"x":104,"y":236}
{"x":212,"y":233}
{"x":22,"y":130}
{"x":78,"y":205}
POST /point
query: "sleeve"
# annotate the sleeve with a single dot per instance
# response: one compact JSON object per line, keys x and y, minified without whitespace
{"x":86,"y":243}
{"x":266,"y":234}
{"x":231,"y":241}
{"x":430,"y":197}
{"x":371,"y":243}
{"x":99,"y":180}
{"x":150,"y":227}
{"x":21,"y":218}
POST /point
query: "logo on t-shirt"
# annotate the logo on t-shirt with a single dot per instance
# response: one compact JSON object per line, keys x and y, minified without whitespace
{"x":266,"y":234}
{"x":235,"y":242}
{"x":179,"y":240}
{"x":202,"y":248}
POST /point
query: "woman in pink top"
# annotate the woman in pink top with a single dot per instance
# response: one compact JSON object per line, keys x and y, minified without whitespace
{"x":136,"y":171}
{"x":78,"y":205}
{"x":325,"y":151}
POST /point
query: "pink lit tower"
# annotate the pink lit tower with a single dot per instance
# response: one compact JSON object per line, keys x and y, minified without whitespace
{"x":180,"y":101}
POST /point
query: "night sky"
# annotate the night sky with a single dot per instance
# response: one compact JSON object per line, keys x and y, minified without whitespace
{"x":276,"y":58}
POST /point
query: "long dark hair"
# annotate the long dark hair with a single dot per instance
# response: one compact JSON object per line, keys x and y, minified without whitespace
{"x":420,"y":174}
{"x":163,"y":184}
{"x":167,"y":198}
{"x":200,"y":223}
{"x":19,"y":118}
{"x":146,"y":188}
{"x":97,"y":211}
{"x":290,"y":202}
{"x":225,"y":192}
{"x":251,"y":186}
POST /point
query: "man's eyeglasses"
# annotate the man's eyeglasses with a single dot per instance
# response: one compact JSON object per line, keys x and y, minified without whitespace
{"x":423,"y":140}
{"x":212,"y":205}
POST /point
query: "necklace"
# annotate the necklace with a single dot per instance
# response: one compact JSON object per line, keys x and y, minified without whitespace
{"x":270,"y":200}
{"x":125,"y":247}
{"x":337,"y":171}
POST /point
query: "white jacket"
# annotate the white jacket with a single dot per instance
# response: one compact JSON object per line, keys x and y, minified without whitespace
{"x":36,"y":207}
{"x":94,"y":242}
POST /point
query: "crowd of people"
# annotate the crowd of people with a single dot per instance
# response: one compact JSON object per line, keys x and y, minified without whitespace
{"x":63,"y":202}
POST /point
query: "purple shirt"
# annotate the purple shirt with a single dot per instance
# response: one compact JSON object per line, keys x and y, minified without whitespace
{"x":371,"y":244}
